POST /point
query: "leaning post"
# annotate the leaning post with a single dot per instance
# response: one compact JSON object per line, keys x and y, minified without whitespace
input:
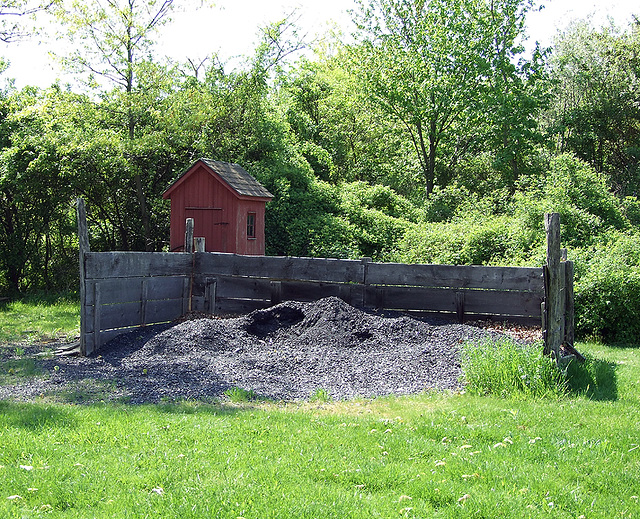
{"x":554,"y":288}
{"x":84,"y":248}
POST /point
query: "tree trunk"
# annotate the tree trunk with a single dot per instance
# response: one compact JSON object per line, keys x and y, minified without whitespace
{"x":428,"y":159}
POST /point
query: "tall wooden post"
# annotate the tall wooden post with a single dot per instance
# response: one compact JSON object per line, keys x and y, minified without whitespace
{"x":84,"y":248}
{"x":554,"y":288}
{"x":188,"y":247}
{"x":188,"y":235}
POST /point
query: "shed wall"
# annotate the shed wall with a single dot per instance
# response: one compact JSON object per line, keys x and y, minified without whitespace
{"x":212,"y":205}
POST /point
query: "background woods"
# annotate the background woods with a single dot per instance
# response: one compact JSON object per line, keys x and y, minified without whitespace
{"x":433,"y":136}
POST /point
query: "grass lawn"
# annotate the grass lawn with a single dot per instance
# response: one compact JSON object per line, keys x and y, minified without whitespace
{"x":40,"y":318}
{"x":431,"y":455}
{"x":425,"y":456}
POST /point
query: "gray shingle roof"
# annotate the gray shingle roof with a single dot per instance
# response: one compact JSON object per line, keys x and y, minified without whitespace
{"x":238,"y":178}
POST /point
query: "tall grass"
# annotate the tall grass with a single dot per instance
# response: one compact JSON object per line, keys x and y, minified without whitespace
{"x":504,"y":367}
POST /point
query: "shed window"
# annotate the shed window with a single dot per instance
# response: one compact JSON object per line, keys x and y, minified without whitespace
{"x":251,"y":225}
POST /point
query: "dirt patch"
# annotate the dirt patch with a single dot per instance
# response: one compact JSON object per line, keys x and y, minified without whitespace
{"x":285,"y":352}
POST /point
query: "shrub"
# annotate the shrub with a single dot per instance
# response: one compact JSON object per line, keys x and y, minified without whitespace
{"x":576,"y":191}
{"x":310,"y":217}
{"x":607,"y":289}
{"x":505,"y":368}
{"x":472,"y":240}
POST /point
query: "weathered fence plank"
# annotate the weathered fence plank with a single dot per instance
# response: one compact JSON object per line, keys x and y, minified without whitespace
{"x":555,"y":297}
{"x":281,"y":268}
{"x":569,"y":326}
{"x":239,"y":306}
{"x":444,"y":300}
{"x":127,"y":315}
{"x":456,"y":276}
{"x":83,"y":249}
{"x":102,"y":265}
{"x":188,"y":236}
{"x":123,"y":290}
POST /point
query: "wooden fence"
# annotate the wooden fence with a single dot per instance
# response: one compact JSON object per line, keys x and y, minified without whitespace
{"x":125,"y":290}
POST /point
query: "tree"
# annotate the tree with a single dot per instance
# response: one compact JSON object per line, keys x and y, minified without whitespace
{"x":115,"y":42}
{"x":596,"y":113}
{"x":34,"y":193}
{"x":14,"y":12}
{"x":440,"y":67}
{"x":342,"y":134}
{"x":516,"y":89}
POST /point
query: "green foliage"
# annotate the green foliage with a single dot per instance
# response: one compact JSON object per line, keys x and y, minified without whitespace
{"x":504,"y":368}
{"x":34,"y":190}
{"x":237,"y":394}
{"x":500,"y":240}
{"x":310,"y":217}
{"x":595,"y":114}
{"x":576,"y":191}
{"x":608,"y":289}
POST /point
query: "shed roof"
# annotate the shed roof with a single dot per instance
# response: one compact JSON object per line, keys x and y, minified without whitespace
{"x":234,"y":175}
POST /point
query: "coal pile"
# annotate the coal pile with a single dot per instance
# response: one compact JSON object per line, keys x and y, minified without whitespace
{"x":286,"y":352}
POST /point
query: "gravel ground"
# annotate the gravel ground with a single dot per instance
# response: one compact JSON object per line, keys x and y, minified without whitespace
{"x":286,"y":352}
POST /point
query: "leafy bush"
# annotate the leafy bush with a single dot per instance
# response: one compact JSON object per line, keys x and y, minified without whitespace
{"x":445,"y":203}
{"x":607,"y":289}
{"x":472,"y":240}
{"x":310,"y":217}
{"x":505,"y":368}
{"x":576,"y":191}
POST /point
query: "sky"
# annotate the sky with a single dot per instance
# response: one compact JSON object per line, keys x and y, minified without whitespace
{"x":230,"y":30}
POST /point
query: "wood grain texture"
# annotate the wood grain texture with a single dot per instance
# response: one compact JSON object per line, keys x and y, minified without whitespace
{"x":281,"y":268}
{"x":107,"y":265}
{"x":456,"y":276}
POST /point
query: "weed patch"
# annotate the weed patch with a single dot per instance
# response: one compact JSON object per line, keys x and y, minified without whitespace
{"x":238,"y":394}
{"x":320,"y":395}
{"x":504,"y":367}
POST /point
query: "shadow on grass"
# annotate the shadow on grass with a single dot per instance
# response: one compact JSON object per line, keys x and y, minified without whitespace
{"x":35,"y":417}
{"x":594,"y":378}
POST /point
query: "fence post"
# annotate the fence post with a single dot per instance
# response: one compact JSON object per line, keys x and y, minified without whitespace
{"x":188,"y":235}
{"x":554,"y":288}
{"x":364,"y":281}
{"x":569,"y":318}
{"x":83,"y":246}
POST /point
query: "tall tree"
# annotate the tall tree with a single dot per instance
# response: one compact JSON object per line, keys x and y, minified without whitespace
{"x":596,"y":113}
{"x":516,"y":89}
{"x":440,"y":67}
{"x":114,"y":41}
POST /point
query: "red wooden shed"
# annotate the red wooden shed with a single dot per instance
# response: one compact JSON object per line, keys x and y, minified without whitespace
{"x":227,"y":206}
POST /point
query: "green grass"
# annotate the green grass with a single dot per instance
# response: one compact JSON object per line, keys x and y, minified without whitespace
{"x":524,"y":453}
{"x":432,"y":455}
{"x":504,"y":367}
{"x":40,"y":317}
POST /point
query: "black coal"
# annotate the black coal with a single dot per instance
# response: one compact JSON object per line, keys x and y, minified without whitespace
{"x":286,"y":352}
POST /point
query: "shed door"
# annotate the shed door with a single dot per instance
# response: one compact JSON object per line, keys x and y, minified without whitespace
{"x":209,"y":223}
